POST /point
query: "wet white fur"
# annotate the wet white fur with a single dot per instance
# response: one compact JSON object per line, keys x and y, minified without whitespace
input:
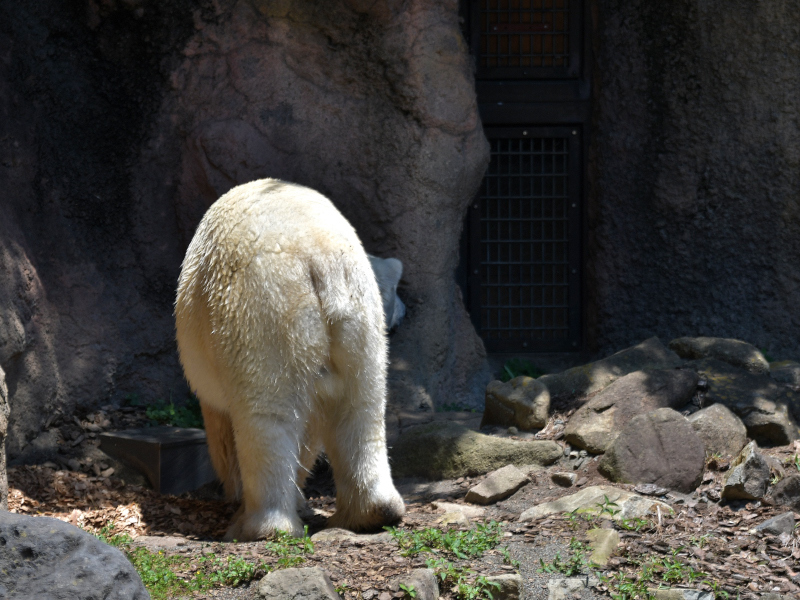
{"x":281,"y":334}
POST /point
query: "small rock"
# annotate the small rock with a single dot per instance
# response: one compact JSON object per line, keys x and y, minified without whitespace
{"x":680,"y":594}
{"x":602,"y":542}
{"x":569,"y":588}
{"x":523,"y":403}
{"x":309,"y":583}
{"x":498,"y":485}
{"x":787,"y":372}
{"x":650,"y":489}
{"x":777,"y":525}
{"x":748,"y":477}
{"x":424,"y":583}
{"x":787,"y":492}
{"x":334,"y":534}
{"x":454,"y":517}
{"x":471,"y":512}
{"x":564,"y":479}
{"x":510,"y":586}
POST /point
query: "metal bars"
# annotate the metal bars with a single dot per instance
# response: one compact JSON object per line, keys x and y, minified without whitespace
{"x":526,"y":38}
{"x":525,"y":248}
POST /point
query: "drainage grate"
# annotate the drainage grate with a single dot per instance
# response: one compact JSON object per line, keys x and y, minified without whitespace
{"x":525,"y":242}
{"x":527,"y":38}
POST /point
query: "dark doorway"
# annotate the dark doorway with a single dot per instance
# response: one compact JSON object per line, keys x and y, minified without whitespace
{"x":522,"y":246}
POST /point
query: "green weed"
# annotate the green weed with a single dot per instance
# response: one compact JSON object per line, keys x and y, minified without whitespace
{"x":409,"y":590}
{"x":519,"y":366}
{"x":574,"y":565}
{"x":462,"y":544}
{"x":187,"y":414}
{"x":291,"y":551}
{"x":464,"y":582}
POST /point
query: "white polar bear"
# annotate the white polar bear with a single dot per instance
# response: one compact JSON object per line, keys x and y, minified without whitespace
{"x":281,"y":334}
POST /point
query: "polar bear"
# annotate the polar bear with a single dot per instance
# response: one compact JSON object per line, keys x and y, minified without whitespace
{"x":282,"y":335}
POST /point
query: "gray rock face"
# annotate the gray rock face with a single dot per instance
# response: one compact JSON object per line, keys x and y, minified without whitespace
{"x":787,"y":492}
{"x":566,"y":588}
{"x":498,"y":485}
{"x":767,"y":409}
{"x":678,"y":124}
{"x":734,"y":352}
{"x":3,"y":429}
{"x":748,"y":476}
{"x":309,"y":583}
{"x":589,"y":500}
{"x":659,"y":447}
{"x":48,"y":559}
{"x":523,"y":402}
{"x":447,"y":450}
{"x":722,"y":431}
{"x":593,"y":377}
{"x":598,"y":422}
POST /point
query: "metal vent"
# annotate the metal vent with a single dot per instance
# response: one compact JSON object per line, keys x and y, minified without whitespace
{"x":527,"y":38}
{"x":525,"y":247}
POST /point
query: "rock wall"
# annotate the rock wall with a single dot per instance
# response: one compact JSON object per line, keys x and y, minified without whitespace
{"x":695,"y":222}
{"x":121,"y":121}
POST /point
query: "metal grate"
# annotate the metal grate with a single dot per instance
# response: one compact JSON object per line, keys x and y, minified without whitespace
{"x":525,"y":244}
{"x":524,"y":33}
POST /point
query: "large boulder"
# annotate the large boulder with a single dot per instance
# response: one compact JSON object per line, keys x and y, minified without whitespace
{"x":447,"y":450}
{"x":522,"y":402}
{"x":734,"y":352}
{"x":595,"y":425}
{"x":659,"y":447}
{"x":722,"y":431}
{"x":595,"y":376}
{"x":767,"y":409}
{"x":3,"y":429}
{"x":48,"y":559}
{"x":748,"y":476}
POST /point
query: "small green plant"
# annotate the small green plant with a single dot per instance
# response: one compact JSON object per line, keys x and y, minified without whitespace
{"x":699,"y":542}
{"x":574,"y":565}
{"x":636,"y":524}
{"x":409,"y":590}
{"x":622,"y":587}
{"x":796,"y":461}
{"x":519,"y":366}
{"x":580,"y":514}
{"x":291,"y":551}
{"x":462,"y":544}
{"x":465,"y":583}
{"x":168,"y":413}
{"x":507,"y":559}
{"x":607,"y":506}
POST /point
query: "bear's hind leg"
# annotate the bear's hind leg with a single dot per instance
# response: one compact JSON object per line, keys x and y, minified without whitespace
{"x":222,"y":450}
{"x":268,"y":470}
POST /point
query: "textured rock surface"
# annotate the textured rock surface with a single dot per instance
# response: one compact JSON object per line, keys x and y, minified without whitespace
{"x":142,"y":113}
{"x":734,"y":352}
{"x":3,"y":428}
{"x":49,"y":559}
{"x":787,"y":492}
{"x":602,"y":543}
{"x":497,"y":485}
{"x":598,"y":422}
{"x":777,"y":525}
{"x":589,"y":500}
{"x":695,"y":226}
{"x":786,"y":371}
{"x":722,"y":431}
{"x":767,"y":409}
{"x":659,"y":447}
{"x":748,"y":476}
{"x":680,"y":594}
{"x":567,"y":588}
{"x":595,"y":376}
{"x":510,"y":586}
{"x":309,"y":583}
{"x":424,"y":583}
{"x":522,"y":402}
{"x":442,"y":450}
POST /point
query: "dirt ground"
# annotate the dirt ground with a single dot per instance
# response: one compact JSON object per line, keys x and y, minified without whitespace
{"x":703,"y":534}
